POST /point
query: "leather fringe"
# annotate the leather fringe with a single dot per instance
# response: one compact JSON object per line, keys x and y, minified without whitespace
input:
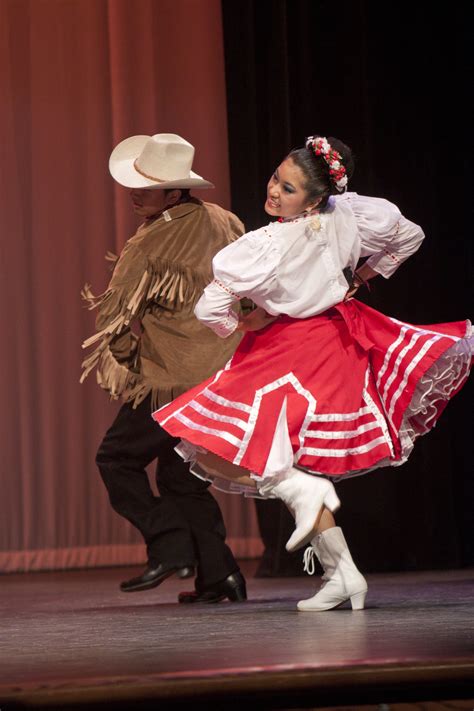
{"x":161,"y":282}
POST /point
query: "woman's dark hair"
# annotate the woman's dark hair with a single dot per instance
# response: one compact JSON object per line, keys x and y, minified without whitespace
{"x":318,"y":182}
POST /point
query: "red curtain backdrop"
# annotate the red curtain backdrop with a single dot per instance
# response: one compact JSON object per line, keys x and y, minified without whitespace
{"x":76,"y":77}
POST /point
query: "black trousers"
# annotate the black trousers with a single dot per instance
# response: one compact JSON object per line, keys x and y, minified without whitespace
{"x":184,"y":525}
{"x":276,"y":525}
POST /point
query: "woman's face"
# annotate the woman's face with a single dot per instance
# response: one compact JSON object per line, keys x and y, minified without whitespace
{"x":286,"y":196}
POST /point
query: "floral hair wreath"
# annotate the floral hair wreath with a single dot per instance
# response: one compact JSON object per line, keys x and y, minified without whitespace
{"x":333,"y":158}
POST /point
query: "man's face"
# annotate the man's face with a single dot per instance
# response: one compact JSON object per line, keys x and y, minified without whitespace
{"x":148,"y":203}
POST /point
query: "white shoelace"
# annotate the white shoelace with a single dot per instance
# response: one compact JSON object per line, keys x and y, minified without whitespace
{"x":308,"y":559}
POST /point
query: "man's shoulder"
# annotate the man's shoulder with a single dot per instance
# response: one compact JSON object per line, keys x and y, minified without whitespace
{"x":222,"y":216}
{"x":215,"y":209}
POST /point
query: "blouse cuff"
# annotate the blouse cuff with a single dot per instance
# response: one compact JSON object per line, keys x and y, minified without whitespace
{"x":214,"y":309}
{"x":225,"y":327}
{"x":385,"y":263}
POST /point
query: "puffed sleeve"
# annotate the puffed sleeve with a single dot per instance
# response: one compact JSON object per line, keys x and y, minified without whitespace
{"x":246,"y":267}
{"x":387,"y":238}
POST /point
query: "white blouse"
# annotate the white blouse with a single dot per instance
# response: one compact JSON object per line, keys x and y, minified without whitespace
{"x":296,"y":267}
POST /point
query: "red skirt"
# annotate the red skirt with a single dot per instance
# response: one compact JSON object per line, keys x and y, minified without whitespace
{"x":337,"y":394}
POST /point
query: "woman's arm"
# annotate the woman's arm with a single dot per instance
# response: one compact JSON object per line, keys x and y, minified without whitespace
{"x":389,"y":251}
{"x":240,"y":270}
{"x":214,"y":309}
{"x":362,"y":277}
{"x":387,"y":238}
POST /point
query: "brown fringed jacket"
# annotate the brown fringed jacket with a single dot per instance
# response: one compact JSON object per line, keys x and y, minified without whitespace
{"x":157,"y":281}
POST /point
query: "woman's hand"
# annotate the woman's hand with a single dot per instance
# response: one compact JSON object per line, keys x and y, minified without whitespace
{"x":255,"y":320}
{"x":361,"y":278}
{"x":353,"y":290}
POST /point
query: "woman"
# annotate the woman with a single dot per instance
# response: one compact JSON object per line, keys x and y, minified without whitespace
{"x":320,"y":380}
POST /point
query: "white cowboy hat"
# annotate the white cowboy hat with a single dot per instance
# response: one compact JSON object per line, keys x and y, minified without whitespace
{"x":160,"y":161}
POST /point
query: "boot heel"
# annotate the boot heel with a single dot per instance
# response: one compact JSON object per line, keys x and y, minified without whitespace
{"x":358,"y":600}
{"x":238,"y":594}
{"x":331,"y":500}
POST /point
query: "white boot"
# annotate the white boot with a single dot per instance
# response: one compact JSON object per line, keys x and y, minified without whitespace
{"x":305,"y":495}
{"x":342,"y":579}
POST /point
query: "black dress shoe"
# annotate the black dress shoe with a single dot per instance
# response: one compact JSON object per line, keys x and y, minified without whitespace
{"x":187,"y":571}
{"x":232,"y":588}
{"x":151,"y":577}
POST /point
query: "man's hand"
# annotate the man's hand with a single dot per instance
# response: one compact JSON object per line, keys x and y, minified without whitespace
{"x":255,"y":320}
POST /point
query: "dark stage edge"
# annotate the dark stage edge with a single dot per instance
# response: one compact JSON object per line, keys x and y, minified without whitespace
{"x":73,"y":640}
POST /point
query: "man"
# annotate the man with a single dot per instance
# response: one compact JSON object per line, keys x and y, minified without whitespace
{"x":156,"y":282}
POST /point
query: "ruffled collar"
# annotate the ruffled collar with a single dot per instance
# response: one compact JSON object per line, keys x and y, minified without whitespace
{"x":301,"y":216}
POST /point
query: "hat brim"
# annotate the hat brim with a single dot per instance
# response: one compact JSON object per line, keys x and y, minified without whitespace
{"x":122,"y":170}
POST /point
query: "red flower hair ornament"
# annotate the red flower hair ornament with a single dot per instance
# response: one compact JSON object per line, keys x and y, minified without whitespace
{"x":337,"y":171}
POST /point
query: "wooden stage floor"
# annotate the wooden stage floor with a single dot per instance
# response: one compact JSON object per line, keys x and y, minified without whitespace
{"x":73,"y":640}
